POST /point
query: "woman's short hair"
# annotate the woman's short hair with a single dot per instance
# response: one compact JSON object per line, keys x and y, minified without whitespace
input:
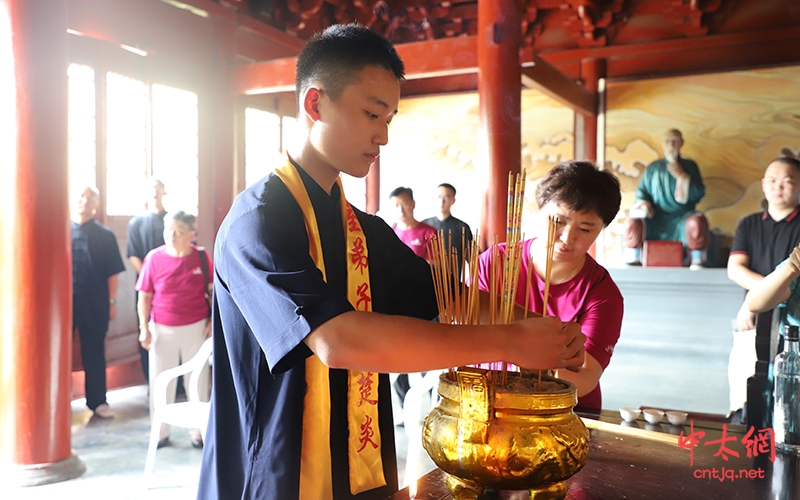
{"x":180,"y":216}
{"x":580,"y":186}
{"x":335,"y":57}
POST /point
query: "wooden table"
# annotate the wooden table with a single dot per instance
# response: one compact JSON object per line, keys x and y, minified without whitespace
{"x":647,"y":462}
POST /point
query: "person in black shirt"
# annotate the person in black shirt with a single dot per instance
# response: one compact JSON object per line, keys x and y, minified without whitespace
{"x":96,"y":261}
{"x":146,"y":232}
{"x":762,"y":241}
{"x":453,"y":228}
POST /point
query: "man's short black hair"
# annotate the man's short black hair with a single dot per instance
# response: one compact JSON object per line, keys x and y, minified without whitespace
{"x":448,"y":186}
{"x":335,"y":57}
{"x":580,"y":186}
{"x":787,"y":160}
{"x":402,"y":190}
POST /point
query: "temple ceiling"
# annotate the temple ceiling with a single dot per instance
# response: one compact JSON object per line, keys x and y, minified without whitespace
{"x":547,"y":25}
{"x":634,"y":38}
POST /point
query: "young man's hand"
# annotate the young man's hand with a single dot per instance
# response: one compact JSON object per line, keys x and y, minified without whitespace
{"x":548,"y":343}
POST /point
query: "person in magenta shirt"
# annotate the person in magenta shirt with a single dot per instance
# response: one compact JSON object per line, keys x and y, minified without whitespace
{"x":412,"y":232}
{"x":173,"y":306}
{"x":584,"y":200}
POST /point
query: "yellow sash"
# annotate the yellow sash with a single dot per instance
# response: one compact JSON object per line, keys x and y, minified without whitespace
{"x":364,"y":440}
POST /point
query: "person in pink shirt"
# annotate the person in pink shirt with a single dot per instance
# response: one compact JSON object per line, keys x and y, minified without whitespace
{"x":584,"y":200}
{"x":174,"y":286}
{"x":412,"y":232}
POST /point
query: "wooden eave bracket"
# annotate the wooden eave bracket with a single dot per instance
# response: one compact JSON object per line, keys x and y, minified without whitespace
{"x":540,"y":75}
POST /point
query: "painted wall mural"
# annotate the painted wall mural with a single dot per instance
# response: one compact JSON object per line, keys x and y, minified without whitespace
{"x":733,"y":125}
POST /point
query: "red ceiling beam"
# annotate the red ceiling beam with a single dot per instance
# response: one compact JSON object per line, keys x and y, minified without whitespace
{"x":265,"y":77}
{"x":706,"y":60}
{"x":443,"y":57}
{"x":446,"y":57}
{"x":440,"y":85}
{"x":713,"y":53}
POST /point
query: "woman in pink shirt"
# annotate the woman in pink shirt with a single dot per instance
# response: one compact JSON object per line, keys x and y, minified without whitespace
{"x":174,"y":286}
{"x":413,"y":233}
{"x":584,"y":200}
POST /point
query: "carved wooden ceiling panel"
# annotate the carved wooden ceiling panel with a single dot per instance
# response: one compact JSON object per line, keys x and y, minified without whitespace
{"x":547,"y":25}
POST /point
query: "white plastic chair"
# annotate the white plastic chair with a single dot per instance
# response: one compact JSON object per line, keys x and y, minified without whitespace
{"x":192,"y":414}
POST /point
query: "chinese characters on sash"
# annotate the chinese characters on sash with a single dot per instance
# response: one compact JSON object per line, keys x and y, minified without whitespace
{"x":366,"y":382}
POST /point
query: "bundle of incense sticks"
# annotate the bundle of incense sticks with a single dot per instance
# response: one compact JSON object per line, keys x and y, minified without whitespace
{"x":506,"y":286}
{"x":458,"y":303}
{"x":510,"y":276}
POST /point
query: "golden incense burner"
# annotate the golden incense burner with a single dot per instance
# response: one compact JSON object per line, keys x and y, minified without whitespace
{"x":518,"y":436}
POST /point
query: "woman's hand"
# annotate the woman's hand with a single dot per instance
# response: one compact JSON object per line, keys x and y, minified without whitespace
{"x":145,"y":338}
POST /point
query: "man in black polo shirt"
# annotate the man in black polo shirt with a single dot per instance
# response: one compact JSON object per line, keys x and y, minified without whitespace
{"x":146,"y":232}
{"x":445,"y":220}
{"x":763,"y":240}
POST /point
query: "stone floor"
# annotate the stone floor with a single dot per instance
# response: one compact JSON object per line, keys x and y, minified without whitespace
{"x":114,"y":452}
{"x":675,"y":342}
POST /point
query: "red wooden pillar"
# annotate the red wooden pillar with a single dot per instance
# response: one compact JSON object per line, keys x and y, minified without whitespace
{"x":35,"y":246}
{"x":499,"y":88}
{"x":586,"y":139}
{"x":373,"y":201}
{"x":217,"y":135}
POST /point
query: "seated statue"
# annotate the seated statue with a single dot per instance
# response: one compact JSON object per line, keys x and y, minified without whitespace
{"x":664,"y":209}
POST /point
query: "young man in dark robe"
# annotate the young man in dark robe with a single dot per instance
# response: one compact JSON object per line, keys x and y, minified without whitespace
{"x":314,"y":301}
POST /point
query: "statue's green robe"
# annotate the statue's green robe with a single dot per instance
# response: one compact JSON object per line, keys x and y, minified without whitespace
{"x":658,"y":187}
